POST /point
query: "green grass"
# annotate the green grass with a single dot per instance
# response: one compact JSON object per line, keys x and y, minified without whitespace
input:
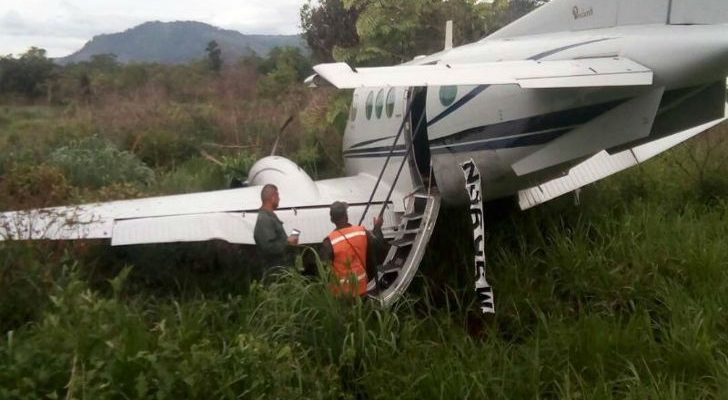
{"x":623,"y":297}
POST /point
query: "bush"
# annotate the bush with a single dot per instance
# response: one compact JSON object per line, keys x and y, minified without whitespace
{"x":105,"y":347}
{"x":25,"y":187}
{"x":94,"y":163}
{"x":164,"y":149}
{"x":194,"y":175}
{"x":237,"y":167}
{"x":24,"y":283}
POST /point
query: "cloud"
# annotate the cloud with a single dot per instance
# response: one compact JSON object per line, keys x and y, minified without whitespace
{"x":259,"y":16}
{"x":12,"y":22}
{"x":55,"y":46}
{"x":63,"y":26}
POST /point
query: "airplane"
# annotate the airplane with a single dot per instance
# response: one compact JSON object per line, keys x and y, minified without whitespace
{"x":571,"y":93}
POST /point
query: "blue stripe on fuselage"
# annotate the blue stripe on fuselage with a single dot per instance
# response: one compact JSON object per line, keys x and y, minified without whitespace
{"x":523,"y":132}
{"x":491,"y":137}
{"x":481,"y":88}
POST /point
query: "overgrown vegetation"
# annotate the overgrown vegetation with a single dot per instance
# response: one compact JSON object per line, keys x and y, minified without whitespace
{"x":366,"y":32}
{"x":623,"y":297}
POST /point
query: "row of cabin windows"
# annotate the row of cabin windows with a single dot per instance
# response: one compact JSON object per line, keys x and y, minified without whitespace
{"x":376,"y":107}
{"x":448,"y":94}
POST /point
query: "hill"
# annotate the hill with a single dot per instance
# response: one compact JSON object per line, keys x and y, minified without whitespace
{"x":178,"y":42}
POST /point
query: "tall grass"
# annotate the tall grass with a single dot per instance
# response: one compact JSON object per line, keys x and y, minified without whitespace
{"x":615,"y":299}
{"x":622,"y":297}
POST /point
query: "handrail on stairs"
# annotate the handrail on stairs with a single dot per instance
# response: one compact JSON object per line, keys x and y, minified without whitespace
{"x":407,"y":153}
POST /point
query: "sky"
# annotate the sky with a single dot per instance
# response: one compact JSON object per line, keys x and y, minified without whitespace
{"x":64,"y":26}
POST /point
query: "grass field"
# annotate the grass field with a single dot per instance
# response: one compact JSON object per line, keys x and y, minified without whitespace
{"x":622,"y":297}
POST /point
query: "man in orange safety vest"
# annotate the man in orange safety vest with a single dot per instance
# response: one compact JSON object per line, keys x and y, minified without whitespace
{"x":349,"y":248}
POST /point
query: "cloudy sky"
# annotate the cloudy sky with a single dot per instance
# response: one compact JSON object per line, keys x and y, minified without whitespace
{"x":64,"y":26}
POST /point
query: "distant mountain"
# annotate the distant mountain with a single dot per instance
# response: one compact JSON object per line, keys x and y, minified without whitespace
{"x":178,"y":42}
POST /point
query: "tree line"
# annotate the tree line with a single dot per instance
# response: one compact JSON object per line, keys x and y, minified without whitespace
{"x":33,"y":77}
{"x":379,"y":32}
{"x":360,"y":32}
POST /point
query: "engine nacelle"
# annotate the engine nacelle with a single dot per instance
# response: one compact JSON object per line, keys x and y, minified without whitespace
{"x":290,"y":179}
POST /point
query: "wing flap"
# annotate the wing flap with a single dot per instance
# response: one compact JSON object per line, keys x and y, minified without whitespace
{"x":627,"y":122}
{"x":604,"y":165}
{"x":230,"y":227}
{"x":236,"y":228}
{"x":594,"y":72}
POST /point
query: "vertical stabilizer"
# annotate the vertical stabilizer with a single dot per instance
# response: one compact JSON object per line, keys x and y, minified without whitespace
{"x":699,"y":12}
{"x":577,"y":15}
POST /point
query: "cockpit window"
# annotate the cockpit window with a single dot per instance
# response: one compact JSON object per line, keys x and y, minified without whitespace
{"x":379,"y":107}
{"x":391,"y":98}
{"x":370,"y":105}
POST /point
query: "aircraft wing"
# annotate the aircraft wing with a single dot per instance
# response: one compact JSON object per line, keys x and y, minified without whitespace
{"x":530,"y":74}
{"x":228,"y":215}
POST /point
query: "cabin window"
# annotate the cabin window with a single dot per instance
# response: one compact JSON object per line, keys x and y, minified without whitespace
{"x":448,"y":94}
{"x":391,"y":97}
{"x":370,"y":105}
{"x":379,"y":107}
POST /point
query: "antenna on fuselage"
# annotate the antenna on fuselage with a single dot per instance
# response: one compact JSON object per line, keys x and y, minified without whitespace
{"x":280,"y":133}
{"x":448,"y":35}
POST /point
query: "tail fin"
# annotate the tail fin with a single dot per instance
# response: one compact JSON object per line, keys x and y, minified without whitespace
{"x":699,"y":12}
{"x":577,"y":15}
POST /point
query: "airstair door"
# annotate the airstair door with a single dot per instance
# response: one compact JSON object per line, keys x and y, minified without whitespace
{"x":408,"y":248}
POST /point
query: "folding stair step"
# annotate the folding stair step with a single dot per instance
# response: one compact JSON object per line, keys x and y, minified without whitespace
{"x":402,"y":242}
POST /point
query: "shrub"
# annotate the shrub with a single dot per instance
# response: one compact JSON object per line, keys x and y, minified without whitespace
{"x":105,"y":347}
{"x":191,"y":176}
{"x":113,"y":192}
{"x":237,"y":167}
{"x":94,"y":163}
{"x":24,"y":282}
{"x":25,"y":187}
{"x":163,"y":148}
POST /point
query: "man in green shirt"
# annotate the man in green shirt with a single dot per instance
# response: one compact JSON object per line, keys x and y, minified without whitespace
{"x":270,"y":238}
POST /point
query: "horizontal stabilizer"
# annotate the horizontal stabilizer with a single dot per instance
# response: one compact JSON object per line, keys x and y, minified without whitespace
{"x":630,"y":121}
{"x":581,"y":15}
{"x":530,"y":74}
{"x":603,"y":165}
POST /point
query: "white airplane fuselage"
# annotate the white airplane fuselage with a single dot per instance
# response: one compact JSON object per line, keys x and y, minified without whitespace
{"x":499,"y":125}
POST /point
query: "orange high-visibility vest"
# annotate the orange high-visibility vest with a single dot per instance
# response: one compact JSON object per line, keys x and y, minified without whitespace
{"x":350,"y":259}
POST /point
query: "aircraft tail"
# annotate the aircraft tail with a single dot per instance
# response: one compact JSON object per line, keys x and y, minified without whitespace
{"x":578,"y":15}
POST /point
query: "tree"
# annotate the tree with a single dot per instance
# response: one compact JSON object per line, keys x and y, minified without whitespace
{"x":281,"y":57}
{"x":104,"y":62}
{"x":329,"y":24}
{"x":214,"y":56}
{"x":396,"y":31}
{"x":284,"y":67}
{"x":502,"y":12}
{"x":393,"y":31}
{"x":28,"y":75}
